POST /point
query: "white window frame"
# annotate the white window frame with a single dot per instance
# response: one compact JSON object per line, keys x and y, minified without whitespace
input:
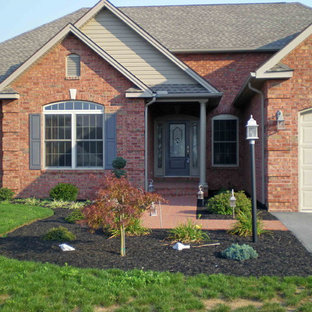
{"x":225,"y":117}
{"x":73,"y":114}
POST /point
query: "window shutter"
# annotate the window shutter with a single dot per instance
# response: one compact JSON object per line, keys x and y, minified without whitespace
{"x":110,"y":140}
{"x":34,"y":142}
{"x":73,"y":65}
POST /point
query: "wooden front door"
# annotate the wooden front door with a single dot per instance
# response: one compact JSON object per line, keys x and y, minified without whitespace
{"x":178,"y":148}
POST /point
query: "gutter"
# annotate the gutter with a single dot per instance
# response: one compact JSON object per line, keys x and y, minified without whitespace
{"x":262,"y":141}
{"x":146,"y":141}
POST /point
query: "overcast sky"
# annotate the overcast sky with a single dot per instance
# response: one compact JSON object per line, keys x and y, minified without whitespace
{"x":18,"y":16}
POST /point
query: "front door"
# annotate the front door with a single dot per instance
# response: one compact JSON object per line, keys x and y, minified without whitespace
{"x":178,"y":148}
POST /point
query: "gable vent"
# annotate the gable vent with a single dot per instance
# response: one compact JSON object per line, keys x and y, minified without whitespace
{"x":73,"y":65}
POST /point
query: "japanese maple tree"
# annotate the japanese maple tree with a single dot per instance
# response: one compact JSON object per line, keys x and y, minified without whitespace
{"x":117,"y":206}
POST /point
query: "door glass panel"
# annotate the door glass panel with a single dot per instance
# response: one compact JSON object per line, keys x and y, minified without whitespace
{"x":194,"y":146}
{"x":177,"y":140}
{"x":159,"y":146}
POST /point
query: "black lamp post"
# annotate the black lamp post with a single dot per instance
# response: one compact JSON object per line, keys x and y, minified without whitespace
{"x":252,"y":136}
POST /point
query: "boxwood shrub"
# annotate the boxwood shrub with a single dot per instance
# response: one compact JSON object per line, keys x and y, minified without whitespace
{"x":6,"y":194}
{"x":220,"y":203}
{"x":64,"y":191}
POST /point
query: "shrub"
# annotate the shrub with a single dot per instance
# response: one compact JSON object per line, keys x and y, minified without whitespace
{"x":76,"y":215}
{"x":239,"y":252}
{"x":64,"y":191}
{"x":220,"y":203}
{"x":6,"y":194}
{"x":59,"y":234}
{"x":117,"y":206}
{"x":243,"y":226}
{"x":188,"y":233}
{"x":118,"y":164}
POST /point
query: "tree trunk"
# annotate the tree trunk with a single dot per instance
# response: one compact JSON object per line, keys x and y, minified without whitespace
{"x":122,"y":241}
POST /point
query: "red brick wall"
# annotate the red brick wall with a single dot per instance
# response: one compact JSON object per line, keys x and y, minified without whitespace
{"x":44,"y":83}
{"x":228,"y":72}
{"x":291,"y":96}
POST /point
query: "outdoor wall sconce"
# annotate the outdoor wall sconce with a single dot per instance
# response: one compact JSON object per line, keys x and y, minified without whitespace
{"x":280,"y":121}
{"x":151,"y":188}
{"x":233,"y":203}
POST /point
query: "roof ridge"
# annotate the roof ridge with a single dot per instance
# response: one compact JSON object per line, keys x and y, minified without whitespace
{"x":211,"y":4}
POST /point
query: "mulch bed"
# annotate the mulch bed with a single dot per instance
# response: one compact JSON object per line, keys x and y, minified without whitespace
{"x":203,"y":213}
{"x":280,"y":253}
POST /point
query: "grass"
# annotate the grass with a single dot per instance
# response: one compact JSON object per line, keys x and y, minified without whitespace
{"x":13,"y":216}
{"x":30,"y":286}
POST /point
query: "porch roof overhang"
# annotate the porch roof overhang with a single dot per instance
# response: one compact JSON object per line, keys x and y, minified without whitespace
{"x":213,"y":99}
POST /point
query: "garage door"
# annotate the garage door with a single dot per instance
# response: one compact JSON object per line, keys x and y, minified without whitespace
{"x":305,"y":161}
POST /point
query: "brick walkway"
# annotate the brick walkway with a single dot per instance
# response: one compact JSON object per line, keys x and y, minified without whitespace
{"x":179,"y":209}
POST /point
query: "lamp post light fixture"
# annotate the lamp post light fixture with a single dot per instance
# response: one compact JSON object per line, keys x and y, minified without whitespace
{"x":233,"y":203}
{"x":252,"y":136}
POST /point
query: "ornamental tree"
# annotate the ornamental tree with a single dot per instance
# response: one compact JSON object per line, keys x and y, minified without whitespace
{"x":117,"y":206}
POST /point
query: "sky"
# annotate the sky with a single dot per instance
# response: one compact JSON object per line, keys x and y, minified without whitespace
{"x":18,"y":16}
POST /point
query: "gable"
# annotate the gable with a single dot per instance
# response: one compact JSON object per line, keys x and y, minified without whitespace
{"x":60,"y":36}
{"x":132,"y":51}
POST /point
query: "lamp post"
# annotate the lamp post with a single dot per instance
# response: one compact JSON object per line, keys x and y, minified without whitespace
{"x":233,"y":203}
{"x":252,"y":136}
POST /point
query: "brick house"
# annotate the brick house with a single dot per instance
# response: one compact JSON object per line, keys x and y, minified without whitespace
{"x":170,"y":89}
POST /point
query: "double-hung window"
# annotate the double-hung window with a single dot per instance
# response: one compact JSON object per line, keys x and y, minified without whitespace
{"x":74,"y":135}
{"x":225,"y":140}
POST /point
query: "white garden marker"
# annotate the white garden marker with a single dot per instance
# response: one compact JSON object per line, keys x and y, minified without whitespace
{"x":66,"y":247}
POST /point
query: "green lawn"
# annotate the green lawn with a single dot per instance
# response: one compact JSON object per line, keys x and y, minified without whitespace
{"x":13,"y":216}
{"x":31,"y":286}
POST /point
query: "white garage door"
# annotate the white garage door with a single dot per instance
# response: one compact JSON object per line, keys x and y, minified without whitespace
{"x":305,"y":161}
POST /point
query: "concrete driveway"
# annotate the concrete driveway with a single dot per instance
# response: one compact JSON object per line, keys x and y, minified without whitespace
{"x":300,"y":224}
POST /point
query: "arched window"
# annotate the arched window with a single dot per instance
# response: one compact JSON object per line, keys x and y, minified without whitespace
{"x":73,"y":65}
{"x":225,"y":140}
{"x":74,"y":135}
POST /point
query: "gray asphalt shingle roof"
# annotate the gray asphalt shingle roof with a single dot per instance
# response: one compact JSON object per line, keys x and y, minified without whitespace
{"x":223,"y":27}
{"x":182,"y":28}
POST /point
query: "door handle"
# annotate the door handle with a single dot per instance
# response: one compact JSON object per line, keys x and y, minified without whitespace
{"x":188,"y":151}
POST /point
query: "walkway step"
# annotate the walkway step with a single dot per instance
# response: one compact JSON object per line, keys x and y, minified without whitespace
{"x":180,"y":209}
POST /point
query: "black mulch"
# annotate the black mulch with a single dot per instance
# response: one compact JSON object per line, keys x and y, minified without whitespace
{"x":203,"y":213}
{"x":280,"y":253}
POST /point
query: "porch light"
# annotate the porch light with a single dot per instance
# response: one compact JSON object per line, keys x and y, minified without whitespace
{"x":280,"y":121}
{"x":252,"y":129}
{"x":233,"y":203}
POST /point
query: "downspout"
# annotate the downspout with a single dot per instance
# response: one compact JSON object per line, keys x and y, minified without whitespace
{"x":262,"y":141}
{"x":146,"y":141}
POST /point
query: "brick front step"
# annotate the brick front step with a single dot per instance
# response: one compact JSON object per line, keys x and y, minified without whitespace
{"x":175,"y":188}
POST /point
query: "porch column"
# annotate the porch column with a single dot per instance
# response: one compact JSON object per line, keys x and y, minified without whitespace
{"x":202,"y":145}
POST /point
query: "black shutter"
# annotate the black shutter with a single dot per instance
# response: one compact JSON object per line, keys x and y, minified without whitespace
{"x":34,"y":142}
{"x":110,"y":140}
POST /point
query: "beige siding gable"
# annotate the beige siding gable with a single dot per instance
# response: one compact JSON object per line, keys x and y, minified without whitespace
{"x":132,"y":51}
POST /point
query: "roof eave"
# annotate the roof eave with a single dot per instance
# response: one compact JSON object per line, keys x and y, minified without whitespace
{"x":257,"y":81}
{"x":225,"y":50}
{"x":9,"y":96}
